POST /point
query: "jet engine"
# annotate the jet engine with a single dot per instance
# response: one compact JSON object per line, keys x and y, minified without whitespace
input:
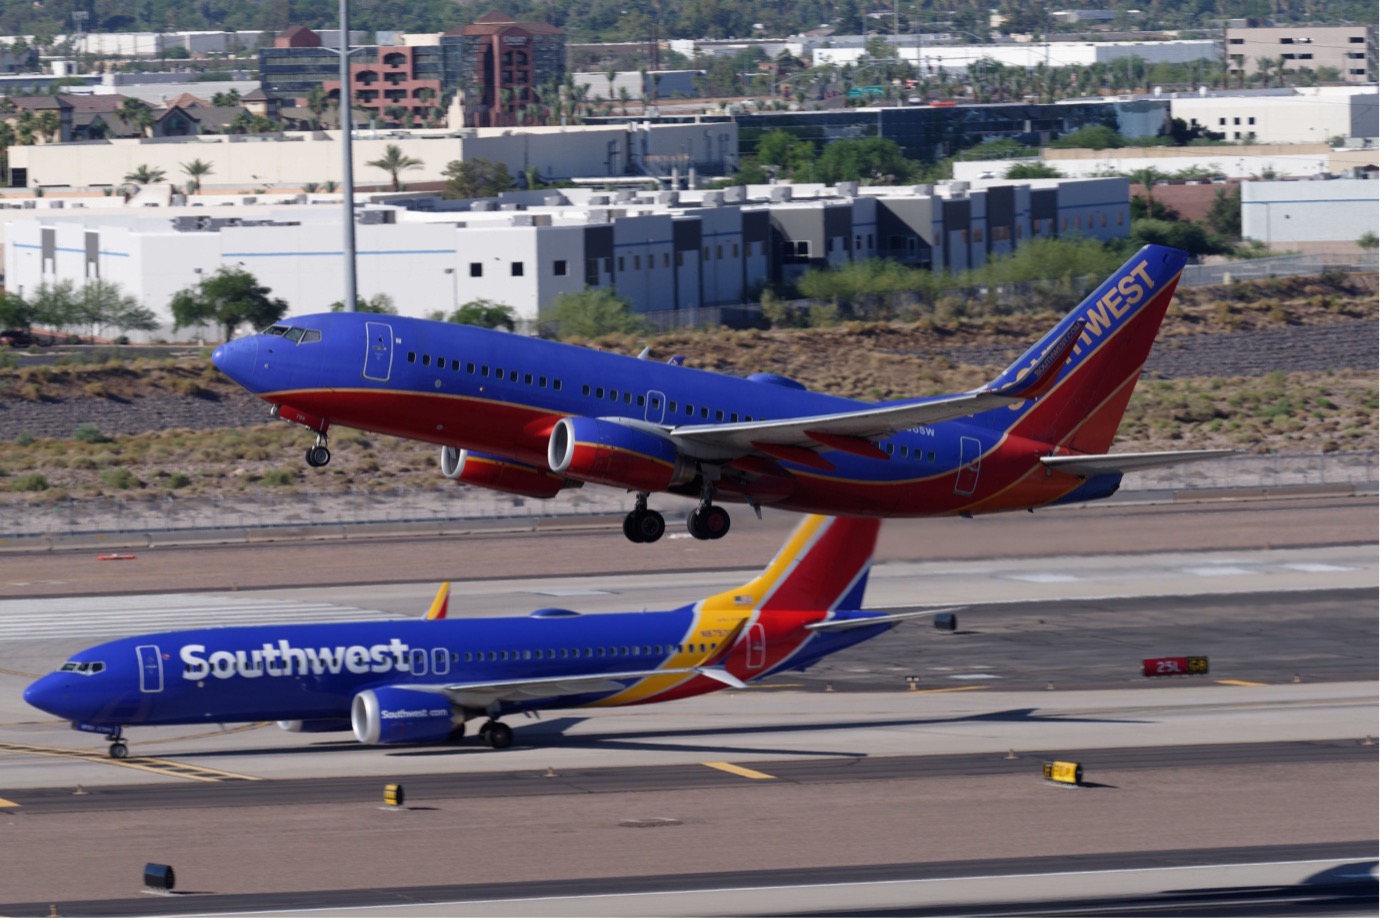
{"x":401,"y":715}
{"x":501,"y":474}
{"x":316,"y":725}
{"x":612,"y":453}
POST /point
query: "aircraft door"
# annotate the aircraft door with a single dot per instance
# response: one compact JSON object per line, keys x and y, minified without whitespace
{"x":654,"y":406}
{"x":379,"y":351}
{"x":754,"y":646}
{"x":969,"y":474}
{"x":150,"y":669}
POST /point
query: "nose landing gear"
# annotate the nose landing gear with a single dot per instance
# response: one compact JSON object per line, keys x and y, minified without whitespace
{"x":118,"y":749}
{"x":318,"y":455}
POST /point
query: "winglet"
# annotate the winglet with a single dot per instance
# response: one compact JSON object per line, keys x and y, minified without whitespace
{"x":438,"y":610}
{"x":1031,"y":376}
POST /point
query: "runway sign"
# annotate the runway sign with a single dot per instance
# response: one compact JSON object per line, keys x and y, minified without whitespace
{"x":1177,"y":665}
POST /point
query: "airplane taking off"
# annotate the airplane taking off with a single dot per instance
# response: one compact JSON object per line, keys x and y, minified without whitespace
{"x":408,"y":681}
{"x":532,"y":417}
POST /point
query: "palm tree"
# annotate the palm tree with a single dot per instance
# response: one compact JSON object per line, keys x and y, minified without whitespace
{"x":195,"y":171}
{"x":136,"y":112}
{"x":394,"y":162}
{"x":316,"y":104}
{"x":144,"y":175}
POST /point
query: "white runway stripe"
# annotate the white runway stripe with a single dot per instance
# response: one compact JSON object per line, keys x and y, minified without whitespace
{"x":38,"y":619}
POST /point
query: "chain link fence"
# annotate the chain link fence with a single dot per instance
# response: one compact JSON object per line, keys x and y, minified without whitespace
{"x":210,"y":517}
{"x":1278,"y":267}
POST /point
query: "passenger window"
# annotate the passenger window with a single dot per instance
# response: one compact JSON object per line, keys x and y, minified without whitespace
{"x":412,"y":357}
{"x":629,"y":398}
{"x":586,"y":390}
{"x":639,"y":401}
{"x":600,"y":392}
{"x":456,"y":364}
{"x":706,"y":413}
{"x":614,"y":395}
{"x":588,"y":652}
{"x":499,"y":373}
{"x":427,"y":360}
{"x":542,"y":380}
{"x":528,"y":654}
{"x":528,"y":379}
{"x":485,"y":370}
{"x":557,"y":384}
{"x":720,"y":416}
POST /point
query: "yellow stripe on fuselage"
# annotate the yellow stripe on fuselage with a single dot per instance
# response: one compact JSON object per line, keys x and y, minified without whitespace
{"x":720,"y":619}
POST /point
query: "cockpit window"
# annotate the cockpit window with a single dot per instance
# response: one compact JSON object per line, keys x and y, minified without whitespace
{"x":294,"y":334}
{"x":83,"y":668}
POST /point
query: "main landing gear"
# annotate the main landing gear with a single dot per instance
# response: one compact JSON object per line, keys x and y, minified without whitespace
{"x":318,"y":455}
{"x":496,"y":735}
{"x":643,"y":525}
{"x":708,"y":522}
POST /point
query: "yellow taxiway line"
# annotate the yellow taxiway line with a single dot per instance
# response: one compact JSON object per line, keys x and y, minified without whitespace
{"x":1239,"y":682}
{"x":157,"y":766}
{"x":739,"y":770}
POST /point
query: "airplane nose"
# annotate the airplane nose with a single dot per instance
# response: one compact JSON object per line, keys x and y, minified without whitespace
{"x":236,"y":360}
{"x":47,"y":694}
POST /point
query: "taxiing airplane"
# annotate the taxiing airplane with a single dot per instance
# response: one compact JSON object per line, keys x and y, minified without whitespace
{"x":532,"y":417}
{"x":413,"y":681}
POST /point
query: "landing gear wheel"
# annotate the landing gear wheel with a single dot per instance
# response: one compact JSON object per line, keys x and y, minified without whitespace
{"x":708,"y":523}
{"x":501,"y":736}
{"x":496,"y":735}
{"x":644,"y":526}
{"x":119,"y":750}
{"x":318,"y":456}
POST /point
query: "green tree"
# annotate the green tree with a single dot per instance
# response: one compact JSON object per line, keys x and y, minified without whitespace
{"x":588,"y":314}
{"x":1032,"y":169}
{"x":136,"y":112}
{"x":1095,"y":137}
{"x":144,"y":175}
{"x":395,"y":162}
{"x":229,"y":297}
{"x":1181,"y":235}
{"x":485,"y":313}
{"x":228,"y":99}
{"x":1224,"y":214}
{"x":54,"y":305}
{"x":377,"y":304}
{"x":877,"y":160}
{"x":1369,"y":240}
{"x":317,"y":103}
{"x":478,"y":178}
{"x":15,"y":312}
{"x":195,"y":170}
{"x":100,"y":304}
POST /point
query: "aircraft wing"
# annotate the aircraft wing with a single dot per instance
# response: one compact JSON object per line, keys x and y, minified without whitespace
{"x":478,"y":695}
{"x":1089,"y":465}
{"x":854,"y":431}
{"x":847,"y":624}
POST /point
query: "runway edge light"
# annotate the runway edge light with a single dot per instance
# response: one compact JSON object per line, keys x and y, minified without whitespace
{"x":1062,"y":772}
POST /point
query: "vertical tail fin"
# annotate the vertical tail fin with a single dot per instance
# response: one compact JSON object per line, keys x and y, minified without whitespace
{"x":823,"y":566}
{"x":1081,"y":408}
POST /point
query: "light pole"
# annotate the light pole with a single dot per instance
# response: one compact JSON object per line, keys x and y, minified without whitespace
{"x":453,"y":273}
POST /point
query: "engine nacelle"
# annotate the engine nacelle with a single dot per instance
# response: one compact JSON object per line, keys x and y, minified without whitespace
{"x":612,"y":453}
{"x":401,"y":715}
{"x":316,"y":725}
{"x":495,"y":473}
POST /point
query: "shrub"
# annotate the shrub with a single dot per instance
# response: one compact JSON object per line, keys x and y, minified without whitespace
{"x":178,"y":481}
{"x":89,"y":433}
{"x":30,"y":483}
{"x":119,"y":478}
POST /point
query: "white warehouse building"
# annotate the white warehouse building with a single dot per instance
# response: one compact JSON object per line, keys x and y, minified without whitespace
{"x":1034,"y":54}
{"x":1287,"y":214}
{"x":671,"y":254}
{"x":1305,"y":115}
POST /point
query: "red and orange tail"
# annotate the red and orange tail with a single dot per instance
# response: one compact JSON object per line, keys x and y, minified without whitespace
{"x":823,"y":566}
{"x":1080,"y":407}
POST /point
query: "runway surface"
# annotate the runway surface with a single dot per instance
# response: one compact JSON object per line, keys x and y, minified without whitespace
{"x":736,"y":803}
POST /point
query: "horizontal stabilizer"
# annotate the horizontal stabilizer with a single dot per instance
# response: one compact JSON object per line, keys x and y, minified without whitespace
{"x":1091,"y":465}
{"x":848,"y":624}
{"x":720,"y":675}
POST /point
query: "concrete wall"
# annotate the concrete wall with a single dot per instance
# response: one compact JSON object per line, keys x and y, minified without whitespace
{"x":1307,"y":117}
